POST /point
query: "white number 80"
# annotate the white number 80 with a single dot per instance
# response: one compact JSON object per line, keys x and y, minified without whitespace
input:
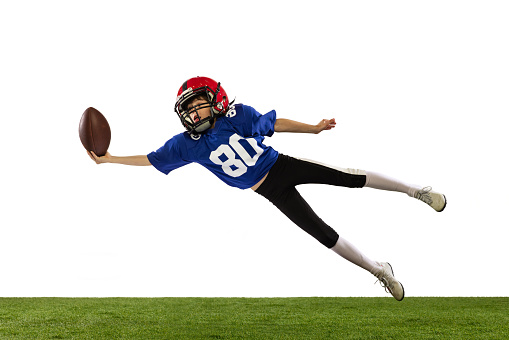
{"x":232,"y":166}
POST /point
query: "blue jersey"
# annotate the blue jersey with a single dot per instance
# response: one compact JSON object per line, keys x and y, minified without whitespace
{"x":233,"y":150}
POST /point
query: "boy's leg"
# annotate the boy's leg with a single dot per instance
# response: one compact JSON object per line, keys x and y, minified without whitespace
{"x":278,"y":189}
{"x":382,"y":182}
{"x":349,"y":252}
{"x":379,"y":181}
{"x":382,"y":270}
{"x":293,"y":205}
{"x":315,"y":172}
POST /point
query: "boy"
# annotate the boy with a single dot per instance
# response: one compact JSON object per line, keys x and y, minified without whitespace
{"x":228,"y":140}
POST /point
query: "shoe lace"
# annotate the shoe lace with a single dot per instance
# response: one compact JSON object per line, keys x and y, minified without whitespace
{"x":384,"y":284}
{"x":424,"y":195}
{"x":383,"y":281}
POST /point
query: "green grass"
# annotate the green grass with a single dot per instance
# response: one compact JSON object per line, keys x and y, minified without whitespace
{"x":249,"y":318}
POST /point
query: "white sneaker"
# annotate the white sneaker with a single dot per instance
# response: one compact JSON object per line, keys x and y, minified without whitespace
{"x":434,"y":199}
{"x":389,"y":282}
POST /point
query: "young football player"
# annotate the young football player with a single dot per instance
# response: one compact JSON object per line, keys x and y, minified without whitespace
{"x":228,"y":139}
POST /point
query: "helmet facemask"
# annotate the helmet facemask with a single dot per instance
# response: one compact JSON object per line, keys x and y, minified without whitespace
{"x":197,"y":124}
{"x":208,"y":90}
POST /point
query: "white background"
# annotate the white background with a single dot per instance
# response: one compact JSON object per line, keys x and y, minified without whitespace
{"x":419,"y":91}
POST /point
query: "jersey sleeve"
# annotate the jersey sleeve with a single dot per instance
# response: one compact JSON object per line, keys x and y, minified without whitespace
{"x":258,"y":124}
{"x":169,"y":156}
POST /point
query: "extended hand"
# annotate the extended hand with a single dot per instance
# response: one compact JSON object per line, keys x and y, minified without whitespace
{"x":141,"y":160}
{"x":325,"y":124}
{"x":99,"y":160}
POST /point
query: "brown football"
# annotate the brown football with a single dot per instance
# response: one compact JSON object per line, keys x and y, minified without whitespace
{"x":95,"y":133}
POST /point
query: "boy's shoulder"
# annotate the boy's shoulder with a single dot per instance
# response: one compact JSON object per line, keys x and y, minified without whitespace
{"x":242,"y":108}
{"x":182,"y":141}
{"x":240,"y":112}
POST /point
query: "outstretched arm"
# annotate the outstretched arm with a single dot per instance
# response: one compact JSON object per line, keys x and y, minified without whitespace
{"x":287,"y":125}
{"x":141,"y":160}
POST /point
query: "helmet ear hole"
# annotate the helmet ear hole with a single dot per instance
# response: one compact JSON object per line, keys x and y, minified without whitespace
{"x":219,"y":107}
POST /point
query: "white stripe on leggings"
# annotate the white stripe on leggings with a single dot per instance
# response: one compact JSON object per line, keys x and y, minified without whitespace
{"x":347,"y":170}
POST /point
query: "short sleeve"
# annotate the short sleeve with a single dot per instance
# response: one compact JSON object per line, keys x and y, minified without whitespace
{"x":168,"y":157}
{"x":258,"y":124}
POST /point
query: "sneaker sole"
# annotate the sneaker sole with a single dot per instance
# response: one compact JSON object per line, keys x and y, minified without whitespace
{"x":402,"y":288}
{"x":445,"y":203}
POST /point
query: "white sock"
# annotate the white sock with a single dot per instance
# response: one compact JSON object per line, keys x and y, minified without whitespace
{"x":379,"y":181}
{"x":349,"y":252}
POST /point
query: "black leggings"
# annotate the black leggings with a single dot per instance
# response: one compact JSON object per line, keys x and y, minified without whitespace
{"x":279,"y":188}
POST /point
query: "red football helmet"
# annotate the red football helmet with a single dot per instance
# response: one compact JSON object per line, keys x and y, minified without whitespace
{"x":209,"y":89}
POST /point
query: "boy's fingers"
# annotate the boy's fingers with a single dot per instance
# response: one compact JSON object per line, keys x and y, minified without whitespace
{"x":93,"y":156}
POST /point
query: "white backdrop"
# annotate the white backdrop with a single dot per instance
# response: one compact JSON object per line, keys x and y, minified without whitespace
{"x":419,"y":91}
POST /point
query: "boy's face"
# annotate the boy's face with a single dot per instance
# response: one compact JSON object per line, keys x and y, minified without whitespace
{"x":198,"y":113}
